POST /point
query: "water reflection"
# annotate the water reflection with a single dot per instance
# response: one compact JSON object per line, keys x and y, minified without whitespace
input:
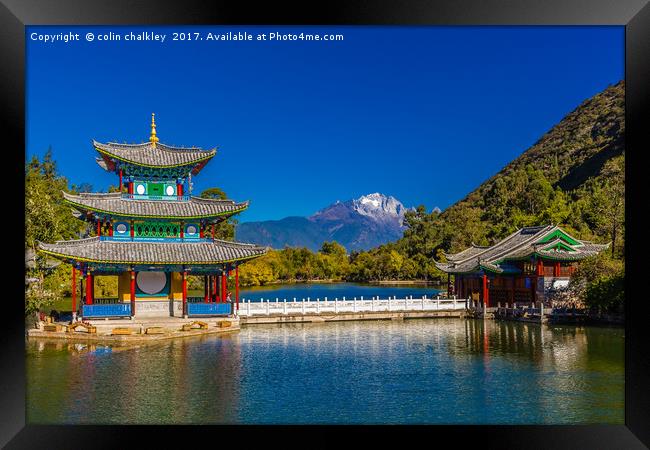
{"x":413,"y":371}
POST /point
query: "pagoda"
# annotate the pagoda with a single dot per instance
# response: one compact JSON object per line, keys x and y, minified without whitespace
{"x":152,"y":236}
{"x":525,"y":267}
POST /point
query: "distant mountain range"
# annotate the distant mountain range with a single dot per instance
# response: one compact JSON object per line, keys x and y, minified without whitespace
{"x":358,"y":224}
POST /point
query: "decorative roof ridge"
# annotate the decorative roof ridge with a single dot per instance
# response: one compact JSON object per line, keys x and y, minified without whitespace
{"x":120,"y":195}
{"x":72,"y":241}
{"x":533,"y":237}
{"x":598,"y":245}
{"x":238,"y":244}
{"x":216,"y":200}
{"x":537,"y":227}
{"x":122,"y":144}
{"x":572,"y":237}
{"x":159,"y":146}
{"x":92,"y":195}
{"x":554,"y":241}
{"x":172,"y":148}
{"x":452,"y":256}
{"x":502,"y":241}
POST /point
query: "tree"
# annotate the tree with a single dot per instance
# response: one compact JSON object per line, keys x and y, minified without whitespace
{"x":47,"y":219}
{"x":607,"y":205}
{"x":225,"y":229}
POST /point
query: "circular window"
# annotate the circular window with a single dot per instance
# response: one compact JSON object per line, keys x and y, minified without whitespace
{"x":140,"y":189}
{"x":191,"y":230}
{"x":121,"y":228}
{"x":170,"y":190}
{"x":151,"y":282}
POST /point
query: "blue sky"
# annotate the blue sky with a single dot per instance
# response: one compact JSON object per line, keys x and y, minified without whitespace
{"x":425,"y":114}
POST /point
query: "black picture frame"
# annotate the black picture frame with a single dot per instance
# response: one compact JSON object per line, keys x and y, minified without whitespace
{"x":633,"y":14}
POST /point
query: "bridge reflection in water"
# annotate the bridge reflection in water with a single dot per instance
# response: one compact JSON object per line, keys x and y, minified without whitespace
{"x":413,"y":371}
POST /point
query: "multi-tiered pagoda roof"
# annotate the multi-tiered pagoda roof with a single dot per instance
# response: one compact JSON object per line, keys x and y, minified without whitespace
{"x":167,"y":223}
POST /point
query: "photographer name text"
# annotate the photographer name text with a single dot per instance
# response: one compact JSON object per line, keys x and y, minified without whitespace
{"x":149,"y":36}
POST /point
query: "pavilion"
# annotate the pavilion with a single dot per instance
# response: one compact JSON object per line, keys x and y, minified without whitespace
{"x":152,"y":236}
{"x":522,"y":268}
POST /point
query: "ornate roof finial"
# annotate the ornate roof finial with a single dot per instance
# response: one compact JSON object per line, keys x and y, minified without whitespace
{"x":153,"y":138}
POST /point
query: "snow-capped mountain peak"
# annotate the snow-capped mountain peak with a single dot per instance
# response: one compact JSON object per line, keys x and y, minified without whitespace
{"x":379,"y":207}
{"x":357,"y":224}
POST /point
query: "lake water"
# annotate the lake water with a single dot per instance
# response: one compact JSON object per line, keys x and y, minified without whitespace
{"x":335,"y":290}
{"x":421,"y":371}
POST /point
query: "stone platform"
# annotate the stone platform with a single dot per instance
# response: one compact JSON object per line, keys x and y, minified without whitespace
{"x":165,"y":328}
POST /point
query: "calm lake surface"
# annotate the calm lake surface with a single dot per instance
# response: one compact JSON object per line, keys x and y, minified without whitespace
{"x":421,"y":371}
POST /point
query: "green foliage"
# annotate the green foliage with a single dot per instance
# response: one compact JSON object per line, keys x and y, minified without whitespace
{"x":297,"y":264}
{"x":599,"y":280}
{"x":106,"y":286}
{"x":37,"y":297}
{"x":47,"y":219}
{"x":226,"y":228}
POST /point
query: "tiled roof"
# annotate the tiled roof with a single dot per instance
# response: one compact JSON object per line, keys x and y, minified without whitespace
{"x":468,"y":252}
{"x":519,"y":245}
{"x":160,"y":155}
{"x":143,"y":252}
{"x":116,"y":204}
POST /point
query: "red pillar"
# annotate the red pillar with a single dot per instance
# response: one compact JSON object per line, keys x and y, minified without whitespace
{"x":215,"y":290}
{"x":132,"y":292}
{"x":132,"y":229}
{"x":237,"y":288}
{"x":179,"y":189}
{"x":131,"y":187}
{"x":89,"y":288}
{"x":201,"y":233}
{"x":224,"y":284}
{"x":486,"y":294}
{"x":74,"y":289}
{"x":556,"y":269}
{"x":99,"y":227}
{"x":184,"y":293}
{"x":110,"y":229}
{"x":121,"y":184}
{"x":182,"y":226}
{"x":205,"y":289}
{"x":213,"y":234}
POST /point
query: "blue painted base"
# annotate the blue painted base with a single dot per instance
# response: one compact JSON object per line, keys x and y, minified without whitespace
{"x":106,"y":310}
{"x":209,"y":309}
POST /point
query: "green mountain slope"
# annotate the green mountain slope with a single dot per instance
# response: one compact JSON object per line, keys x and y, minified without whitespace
{"x":573,"y":176}
{"x":557,"y":180}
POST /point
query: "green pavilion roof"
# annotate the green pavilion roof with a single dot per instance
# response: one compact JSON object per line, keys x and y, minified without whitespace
{"x":547,"y":242}
{"x":119,"y":205}
{"x":103,"y":251}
